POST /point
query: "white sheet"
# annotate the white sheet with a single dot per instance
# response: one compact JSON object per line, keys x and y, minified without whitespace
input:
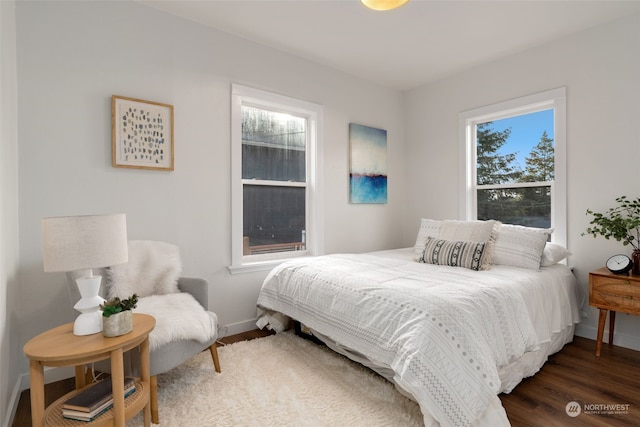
{"x":393,"y":310}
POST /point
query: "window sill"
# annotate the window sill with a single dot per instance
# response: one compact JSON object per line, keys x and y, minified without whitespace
{"x":255,"y":266}
{"x":265,"y":262}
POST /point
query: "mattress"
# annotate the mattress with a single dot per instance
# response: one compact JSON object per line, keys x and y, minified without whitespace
{"x":449,"y":337}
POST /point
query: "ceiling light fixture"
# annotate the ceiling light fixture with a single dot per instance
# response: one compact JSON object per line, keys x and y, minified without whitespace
{"x":383,"y":4}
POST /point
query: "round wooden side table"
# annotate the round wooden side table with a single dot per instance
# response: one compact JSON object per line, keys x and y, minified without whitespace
{"x":60,"y":347}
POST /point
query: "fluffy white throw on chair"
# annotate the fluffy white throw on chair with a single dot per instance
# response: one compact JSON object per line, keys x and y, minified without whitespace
{"x":152,"y":273}
{"x":178,"y":316}
{"x":153,"y":269}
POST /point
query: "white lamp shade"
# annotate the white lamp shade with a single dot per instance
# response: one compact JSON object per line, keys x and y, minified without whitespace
{"x":84,"y":242}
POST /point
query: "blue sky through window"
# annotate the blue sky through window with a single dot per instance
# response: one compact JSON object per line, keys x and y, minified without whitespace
{"x":526,"y":131}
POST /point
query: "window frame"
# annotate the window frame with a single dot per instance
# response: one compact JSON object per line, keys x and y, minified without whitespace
{"x":243,"y":95}
{"x":467,"y":121}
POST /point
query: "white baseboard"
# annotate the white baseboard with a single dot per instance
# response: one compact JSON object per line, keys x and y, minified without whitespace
{"x":621,"y":340}
{"x":51,"y":375}
{"x":13,"y":404}
{"x":238,"y":327}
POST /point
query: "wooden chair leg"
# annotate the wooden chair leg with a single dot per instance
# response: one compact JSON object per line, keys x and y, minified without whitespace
{"x":155,"y":418}
{"x":214,"y":354}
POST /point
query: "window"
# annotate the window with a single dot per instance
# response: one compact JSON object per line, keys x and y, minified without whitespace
{"x":275,"y":147}
{"x":514,"y":162}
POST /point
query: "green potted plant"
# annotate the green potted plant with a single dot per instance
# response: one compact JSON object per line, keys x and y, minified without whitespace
{"x":117,"y":317}
{"x":621,"y":223}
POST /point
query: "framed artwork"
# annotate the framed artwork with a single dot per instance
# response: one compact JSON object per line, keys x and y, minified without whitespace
{"x":141,"y":134}
{"x":368,"y":170}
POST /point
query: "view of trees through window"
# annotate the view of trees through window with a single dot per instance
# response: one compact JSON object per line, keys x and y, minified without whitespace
{"x":515,"y":169}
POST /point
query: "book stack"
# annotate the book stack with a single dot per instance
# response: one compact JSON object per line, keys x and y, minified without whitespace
{"x":93,"y":401}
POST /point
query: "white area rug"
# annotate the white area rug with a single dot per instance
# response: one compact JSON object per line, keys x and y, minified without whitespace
{"x":280,"y":380}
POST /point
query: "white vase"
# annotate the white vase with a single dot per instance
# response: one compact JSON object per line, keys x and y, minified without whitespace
{"x":117,"y":324}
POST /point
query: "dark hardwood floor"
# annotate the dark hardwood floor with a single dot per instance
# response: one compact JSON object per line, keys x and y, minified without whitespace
{"x":572,"y":375}
{"x":575,"y":374}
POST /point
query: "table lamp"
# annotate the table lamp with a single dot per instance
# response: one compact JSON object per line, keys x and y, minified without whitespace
{"x":80,"y":244}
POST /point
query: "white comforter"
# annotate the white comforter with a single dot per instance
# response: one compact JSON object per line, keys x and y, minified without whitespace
{"x":444,"y":331}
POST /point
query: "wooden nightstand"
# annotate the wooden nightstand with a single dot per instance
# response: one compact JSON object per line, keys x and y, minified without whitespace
{"x":613,"y":292}
{"x":60,"y":347}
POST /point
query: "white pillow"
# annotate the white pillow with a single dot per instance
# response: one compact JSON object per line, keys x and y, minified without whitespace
{"x":553,"y":254}
{"x":428,"y":228}
{"x":153,"y":269}
{"x":454,"y":254}
{"x":520,"y":246}
{"x":472,"y":231}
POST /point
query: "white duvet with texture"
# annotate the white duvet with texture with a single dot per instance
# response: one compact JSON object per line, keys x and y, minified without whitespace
{"x":444,"y":331}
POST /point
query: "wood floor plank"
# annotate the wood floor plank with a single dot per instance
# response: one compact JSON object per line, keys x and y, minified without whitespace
{"x":575,"y":374}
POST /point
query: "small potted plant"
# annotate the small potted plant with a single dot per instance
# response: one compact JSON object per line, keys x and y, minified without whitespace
{"x":117,"y":317}
{"x":621,"y":223}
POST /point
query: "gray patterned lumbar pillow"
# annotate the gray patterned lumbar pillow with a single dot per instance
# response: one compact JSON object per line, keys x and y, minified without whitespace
{"x":454,"y":253}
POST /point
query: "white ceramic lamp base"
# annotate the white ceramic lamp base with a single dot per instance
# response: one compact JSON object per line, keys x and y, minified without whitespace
{"x":90,"y":319}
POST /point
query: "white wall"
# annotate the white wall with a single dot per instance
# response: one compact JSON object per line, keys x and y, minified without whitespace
{"x":10,"y":351}
{"x":72,"y":56}
{"x":601,"y":71}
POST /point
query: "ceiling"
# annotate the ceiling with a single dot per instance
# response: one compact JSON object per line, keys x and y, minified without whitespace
{"x":419,"y":43}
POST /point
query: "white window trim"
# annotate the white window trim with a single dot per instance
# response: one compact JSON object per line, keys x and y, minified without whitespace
{"x":243,"y":95}
{"x":467,"y":120}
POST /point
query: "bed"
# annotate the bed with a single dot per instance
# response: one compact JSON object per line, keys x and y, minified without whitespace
{"x":450,"y":337}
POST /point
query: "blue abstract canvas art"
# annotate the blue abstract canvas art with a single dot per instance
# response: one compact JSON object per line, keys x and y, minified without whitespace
{"x":368,"y":175}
